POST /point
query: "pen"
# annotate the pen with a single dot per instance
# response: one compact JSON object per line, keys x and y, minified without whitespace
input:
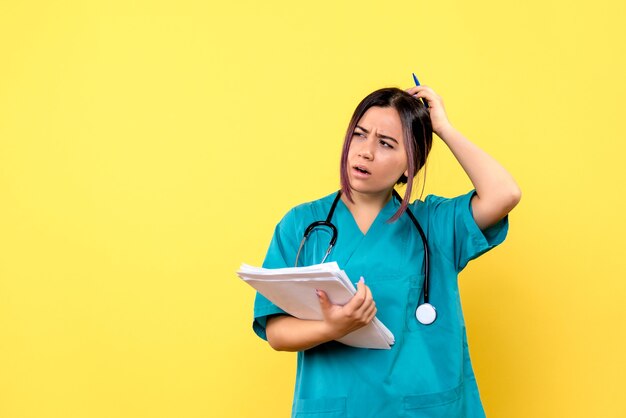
{"x":417,"y":83}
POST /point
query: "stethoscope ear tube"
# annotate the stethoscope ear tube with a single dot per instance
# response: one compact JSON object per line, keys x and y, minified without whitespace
{"x":333,"y":238}
{"x":329,"y":224}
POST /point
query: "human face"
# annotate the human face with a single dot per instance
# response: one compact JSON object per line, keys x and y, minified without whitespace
{"x":377,"y":156}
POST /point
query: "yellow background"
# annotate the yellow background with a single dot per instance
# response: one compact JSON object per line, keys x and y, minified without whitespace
{"x":147,"y":148}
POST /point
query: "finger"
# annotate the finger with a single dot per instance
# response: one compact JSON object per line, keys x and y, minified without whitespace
{"x":323,"y":299}
{"x":415,"y":89}
{"x":371,"y":315}
{"x":370,"y":302}
{"x":358,"y":298}
{"x":424,"y":93}
{"x":367,"y":303}
{"x":368,"y":293}
{"x":367,"y":315}
{"x":423,"y":88}
{"x":426,"y":96}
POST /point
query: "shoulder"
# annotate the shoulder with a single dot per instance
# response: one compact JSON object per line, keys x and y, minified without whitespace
{"x":440,"y":209}
{"x":434,"y":202}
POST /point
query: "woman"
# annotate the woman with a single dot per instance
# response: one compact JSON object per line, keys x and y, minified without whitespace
{"x":427,"y":372}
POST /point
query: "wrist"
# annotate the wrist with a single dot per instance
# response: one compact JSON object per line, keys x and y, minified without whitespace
{"x":329,"y":332}
{"x":445,"y":132}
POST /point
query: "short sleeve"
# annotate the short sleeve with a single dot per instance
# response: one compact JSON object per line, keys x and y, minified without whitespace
{"x":455,"y":231}
{"x":280,"y":253}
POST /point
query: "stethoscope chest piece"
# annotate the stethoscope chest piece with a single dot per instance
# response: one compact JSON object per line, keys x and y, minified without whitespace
{"x":426,"y":313}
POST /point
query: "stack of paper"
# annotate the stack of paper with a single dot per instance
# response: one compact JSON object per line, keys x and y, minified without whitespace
{"x":293,"y":290}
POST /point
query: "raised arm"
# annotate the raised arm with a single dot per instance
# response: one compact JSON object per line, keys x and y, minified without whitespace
{"x":497,"y":193}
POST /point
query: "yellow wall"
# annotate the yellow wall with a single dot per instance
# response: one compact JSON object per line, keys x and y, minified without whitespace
{"x":147,"y":148}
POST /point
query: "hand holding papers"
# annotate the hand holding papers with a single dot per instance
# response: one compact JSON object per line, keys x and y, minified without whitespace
{"x":293,"y":290}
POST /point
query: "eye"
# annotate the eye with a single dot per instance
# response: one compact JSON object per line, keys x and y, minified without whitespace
{"x":386,"y":144}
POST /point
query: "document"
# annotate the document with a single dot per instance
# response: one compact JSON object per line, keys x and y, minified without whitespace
{"x":293,"y":290}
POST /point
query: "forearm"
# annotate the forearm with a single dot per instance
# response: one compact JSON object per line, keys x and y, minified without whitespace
{"x":490,"y":179}
{"x":287,"y":333}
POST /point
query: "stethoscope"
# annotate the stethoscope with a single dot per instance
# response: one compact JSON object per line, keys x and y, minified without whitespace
{"x":425,"y":313}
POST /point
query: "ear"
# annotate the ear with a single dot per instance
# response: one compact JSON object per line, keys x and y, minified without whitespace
{"x":406,"y":173}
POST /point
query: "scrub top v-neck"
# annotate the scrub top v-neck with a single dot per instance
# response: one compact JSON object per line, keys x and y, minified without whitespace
{"x":427,"y":372}
{"x":351,"y":238}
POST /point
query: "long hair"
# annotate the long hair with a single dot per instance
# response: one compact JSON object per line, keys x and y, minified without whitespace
{"x":416,"y":128}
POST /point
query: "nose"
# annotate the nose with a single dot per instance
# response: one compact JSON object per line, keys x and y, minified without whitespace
{"x":365,"y":151}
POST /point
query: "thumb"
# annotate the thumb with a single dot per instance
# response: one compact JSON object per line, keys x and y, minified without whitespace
{"x":323,"y":298}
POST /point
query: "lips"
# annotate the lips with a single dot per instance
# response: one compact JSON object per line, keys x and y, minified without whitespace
{"x":361,"y":169}
{"x":360,"y":172}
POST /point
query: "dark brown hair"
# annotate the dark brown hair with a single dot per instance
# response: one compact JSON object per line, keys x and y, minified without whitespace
{"x":416,"y":128}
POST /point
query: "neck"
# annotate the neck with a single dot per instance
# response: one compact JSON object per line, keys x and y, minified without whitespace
{"x":368,"y":201}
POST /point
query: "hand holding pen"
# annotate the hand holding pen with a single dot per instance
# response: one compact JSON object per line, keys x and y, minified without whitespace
{"x":434,"y":103}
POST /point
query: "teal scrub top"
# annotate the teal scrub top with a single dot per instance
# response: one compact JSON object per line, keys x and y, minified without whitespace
{"x":427,"y":372}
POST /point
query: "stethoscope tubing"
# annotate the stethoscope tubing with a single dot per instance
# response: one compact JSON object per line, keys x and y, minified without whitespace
{"x":327,"y":223}
{"x":425,"y":312}
{"x":426,"y":249}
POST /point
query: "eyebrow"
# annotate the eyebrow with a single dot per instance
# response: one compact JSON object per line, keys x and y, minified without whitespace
{"x":379,"y":135}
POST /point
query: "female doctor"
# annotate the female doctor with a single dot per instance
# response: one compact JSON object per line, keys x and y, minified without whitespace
{"x":427,"y":372}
